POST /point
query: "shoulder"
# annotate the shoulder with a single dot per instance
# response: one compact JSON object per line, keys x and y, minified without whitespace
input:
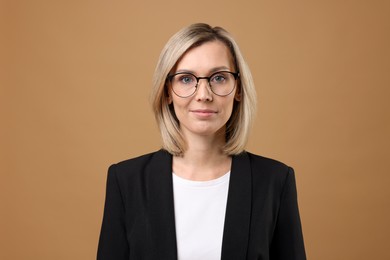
{"x":272,"y":170}
{"x":139,"y":164}
{"x":139,"y":160}
{"x":265,"y":163}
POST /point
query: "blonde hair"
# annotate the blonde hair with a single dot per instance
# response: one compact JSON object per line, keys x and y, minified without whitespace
{"x":240,"y":122}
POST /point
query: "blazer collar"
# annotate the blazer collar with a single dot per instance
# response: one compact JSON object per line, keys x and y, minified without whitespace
{"x":161,"y":208}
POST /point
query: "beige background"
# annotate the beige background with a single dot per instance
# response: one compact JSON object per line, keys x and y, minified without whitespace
{"x":75,"y":80}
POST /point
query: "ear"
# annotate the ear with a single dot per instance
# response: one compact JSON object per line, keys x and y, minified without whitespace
{"x":169,"y":97}
{"x":168,"y":94}
{"x":237,"y":96}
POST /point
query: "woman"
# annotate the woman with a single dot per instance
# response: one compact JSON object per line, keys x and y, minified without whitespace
{"x":202,"y":196}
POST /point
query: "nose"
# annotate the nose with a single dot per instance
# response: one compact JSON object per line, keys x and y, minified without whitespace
{"x":203,"y":92}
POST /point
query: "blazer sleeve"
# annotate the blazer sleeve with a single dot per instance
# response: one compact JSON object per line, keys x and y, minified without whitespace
{"x":287,"y":242}
{"x":113,"y":243}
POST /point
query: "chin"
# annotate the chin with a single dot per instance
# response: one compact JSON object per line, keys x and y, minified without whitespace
{"x":214,"y":131}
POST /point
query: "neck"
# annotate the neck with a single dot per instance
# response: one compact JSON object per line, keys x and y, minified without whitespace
{"x":203,"y":159}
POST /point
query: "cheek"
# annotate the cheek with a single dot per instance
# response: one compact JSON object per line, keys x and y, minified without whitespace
{"x":231,"y":105}
{"x":179,"y":106}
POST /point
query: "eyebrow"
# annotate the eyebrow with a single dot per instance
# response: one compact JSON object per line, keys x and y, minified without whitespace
{"x":216,"y":69}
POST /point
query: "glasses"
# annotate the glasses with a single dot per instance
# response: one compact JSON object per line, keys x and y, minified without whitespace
{"x":185,"y":84}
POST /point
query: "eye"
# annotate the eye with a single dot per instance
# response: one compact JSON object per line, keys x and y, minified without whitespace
{"x":185,"y":79}
{"x":218,"y":78}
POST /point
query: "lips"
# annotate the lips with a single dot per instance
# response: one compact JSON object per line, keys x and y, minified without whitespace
{"x":206,"y":111}
{"x":203,"y":113}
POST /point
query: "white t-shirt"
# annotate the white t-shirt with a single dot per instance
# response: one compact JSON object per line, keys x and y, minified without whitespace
{"x":200,"y":208}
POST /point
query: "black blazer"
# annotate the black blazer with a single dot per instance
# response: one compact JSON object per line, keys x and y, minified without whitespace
{"x":262,"y":219}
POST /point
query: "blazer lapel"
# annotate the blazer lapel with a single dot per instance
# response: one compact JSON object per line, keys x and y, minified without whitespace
{"x":161,"y":212}
{"x":238,"y":210}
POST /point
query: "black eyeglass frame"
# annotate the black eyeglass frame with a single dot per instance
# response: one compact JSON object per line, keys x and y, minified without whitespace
{"x":236,"y":75}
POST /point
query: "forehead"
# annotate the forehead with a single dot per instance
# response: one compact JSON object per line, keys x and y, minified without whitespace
{"x":206,"y":57}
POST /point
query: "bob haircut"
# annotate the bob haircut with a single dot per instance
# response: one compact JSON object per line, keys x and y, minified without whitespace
{"x":240,"y":122}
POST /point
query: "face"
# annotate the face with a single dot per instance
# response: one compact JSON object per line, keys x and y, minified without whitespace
{"x":204,"y":113}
